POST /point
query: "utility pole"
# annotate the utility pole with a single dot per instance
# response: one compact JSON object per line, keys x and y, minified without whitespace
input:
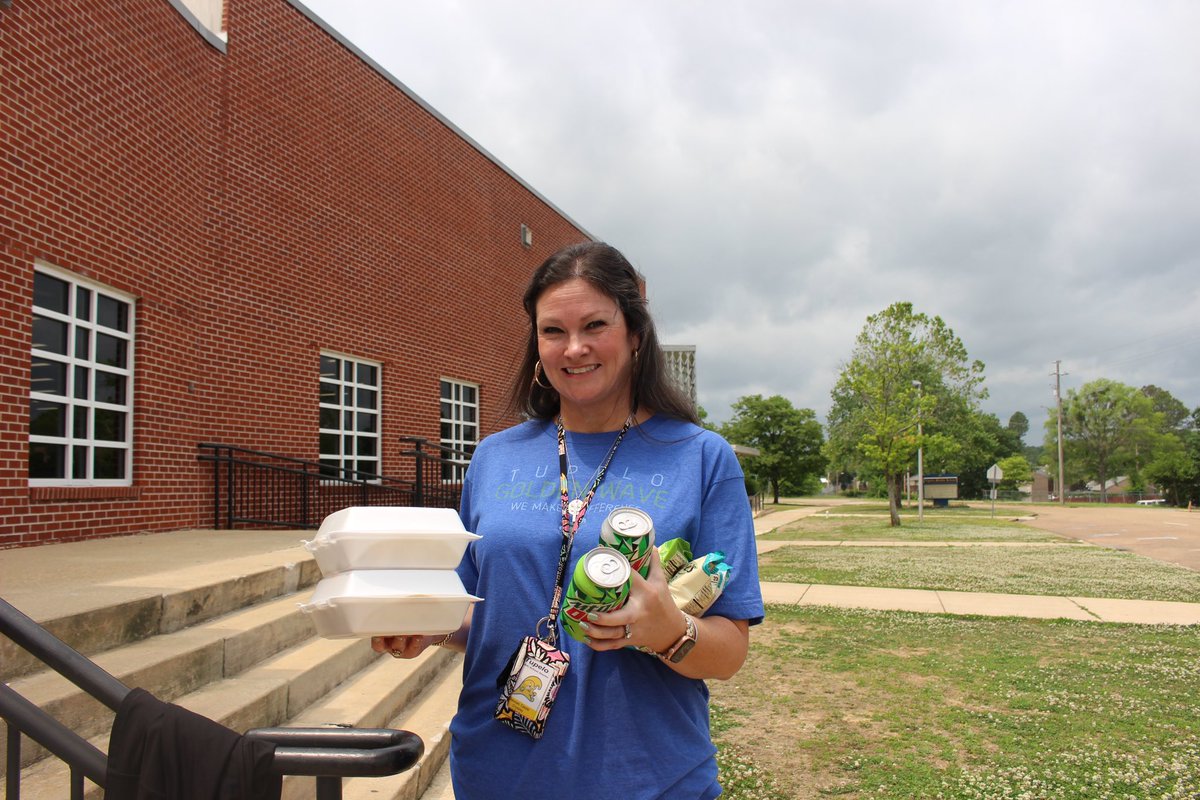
{"x":1062,"y":477}
{"x":920,"y":459}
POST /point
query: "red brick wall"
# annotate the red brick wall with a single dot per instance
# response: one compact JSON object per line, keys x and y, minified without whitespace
{"x":262,"y":205}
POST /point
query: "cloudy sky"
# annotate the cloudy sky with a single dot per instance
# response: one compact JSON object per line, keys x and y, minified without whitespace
{"x":1028,"y":171}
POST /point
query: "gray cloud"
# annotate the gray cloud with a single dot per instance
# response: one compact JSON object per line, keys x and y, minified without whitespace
{"x":1028,"y":171}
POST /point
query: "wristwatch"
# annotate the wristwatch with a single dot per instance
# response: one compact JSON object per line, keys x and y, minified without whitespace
{"x":682,"y":646}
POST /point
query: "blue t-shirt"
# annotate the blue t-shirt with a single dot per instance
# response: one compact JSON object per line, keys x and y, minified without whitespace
{"x":623,"y":722}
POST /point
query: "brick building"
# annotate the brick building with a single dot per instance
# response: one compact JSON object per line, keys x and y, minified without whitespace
{"x":224,"y":223}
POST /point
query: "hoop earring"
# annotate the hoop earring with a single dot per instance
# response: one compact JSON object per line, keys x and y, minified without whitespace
{"x":537,"y":367}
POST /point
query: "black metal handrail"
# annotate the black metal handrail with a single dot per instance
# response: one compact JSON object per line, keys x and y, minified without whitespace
{"x":255,"y":488}
{"x":252,"y":487}
{"x":328,"y":754}
{"x":439,"y":474}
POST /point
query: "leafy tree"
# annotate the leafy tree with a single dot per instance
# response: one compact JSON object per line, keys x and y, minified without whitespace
{"x":789,"y":440}
{"x":1018,"y":426}
{"x":1175,"y":415}
{"x":1108,"y":428}
{"x":873,"y":423}
{"x":1016,"y":472}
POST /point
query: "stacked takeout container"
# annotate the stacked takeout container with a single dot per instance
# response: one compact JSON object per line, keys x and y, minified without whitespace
{"x":389,"y":570}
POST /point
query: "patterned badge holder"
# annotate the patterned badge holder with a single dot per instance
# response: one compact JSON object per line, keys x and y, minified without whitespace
{"x":530,"y":685}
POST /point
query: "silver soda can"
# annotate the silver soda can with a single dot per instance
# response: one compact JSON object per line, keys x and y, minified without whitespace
{"x":630,"y":531}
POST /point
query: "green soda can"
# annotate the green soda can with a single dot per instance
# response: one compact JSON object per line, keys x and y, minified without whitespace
{"x":600,"y":582}
{"x":630,"y":531}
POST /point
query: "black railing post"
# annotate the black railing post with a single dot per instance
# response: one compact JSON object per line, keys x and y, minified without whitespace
{"x":420,"y":458}
{"x":229,"y":484}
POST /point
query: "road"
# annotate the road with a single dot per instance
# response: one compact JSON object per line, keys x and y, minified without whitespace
{"x":1165,"y":534}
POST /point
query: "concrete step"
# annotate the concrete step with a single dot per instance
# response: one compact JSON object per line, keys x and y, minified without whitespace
{"x":372,"y":700}
{"x":440,"y":788}
{"x":170,"y":665}
{"x":98,"y":617}
{"x":264,"y":696}
{"x":429,"y":717}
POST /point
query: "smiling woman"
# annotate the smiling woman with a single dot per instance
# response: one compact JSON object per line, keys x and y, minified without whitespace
{"x":606,"y":428}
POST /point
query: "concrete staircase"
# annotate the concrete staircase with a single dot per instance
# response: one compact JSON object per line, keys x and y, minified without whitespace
{"x":228,"y":641}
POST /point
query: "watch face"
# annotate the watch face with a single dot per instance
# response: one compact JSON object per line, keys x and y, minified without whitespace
{"x":684,"y":648}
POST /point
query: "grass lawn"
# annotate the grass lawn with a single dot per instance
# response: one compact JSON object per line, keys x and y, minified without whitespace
{"x":838,"y":527}
{"x":895,"y":705}
{"x":1081,"y":571}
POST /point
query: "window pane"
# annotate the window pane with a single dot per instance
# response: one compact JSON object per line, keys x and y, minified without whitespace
{"x":49,"y":377}
{"x":366,"y":446}
{"x":83,"y":303}
{"x":468,"y":433}
{"x":83,"y":338}
{"x":110,"y":388}
{"x":347,"y":420}
{"x":329,"y":418}
{"x":347,"y":371}
{"x":79,"y":462}
{"x":468,"y":395}
{"x":348,"y":396}
{"x":112,"y":313}
{"x":447,"y":412}
{"x":50,"y":293}
{"x":468,"y":413}
{"x":447,"y":431}
{"x":110,"y":425}
{"x":329,"y":368}
{"x":446,"y":390}
{"x":366,"y":398}
{"x":47,"y":460}
{"x":80,"y":428}
{"x":110,"y":350}
{"x":109,"y":463}
{"x":368,"y":470}
{"x":367,"y":423}
{"x":368,"y":375}
{"x":329,"y":468}
{"x":329,"y":444}
{"x":347,"y":445}
{"x":329,"y":393}
{"x":47,"y":419}
{"x":50,"y":335}
{"x":81,"y":389}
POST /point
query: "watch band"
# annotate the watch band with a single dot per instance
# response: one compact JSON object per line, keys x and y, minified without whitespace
{"x":684,"y":644}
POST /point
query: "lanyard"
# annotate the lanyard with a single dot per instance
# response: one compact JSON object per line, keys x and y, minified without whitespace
{"x":571,"y":522}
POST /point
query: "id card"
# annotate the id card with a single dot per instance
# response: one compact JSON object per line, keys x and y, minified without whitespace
{"x":533,"y":679}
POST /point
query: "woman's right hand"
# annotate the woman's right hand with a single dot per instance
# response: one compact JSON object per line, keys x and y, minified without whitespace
{"x":402,"y":646}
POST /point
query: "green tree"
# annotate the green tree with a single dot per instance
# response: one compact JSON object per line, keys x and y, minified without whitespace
{"x":789,"y":440}
{"x":1109,"y":429}
{"x":1175,"y":415}
{"x":1016,"y":472}
{"x":906,"y":368}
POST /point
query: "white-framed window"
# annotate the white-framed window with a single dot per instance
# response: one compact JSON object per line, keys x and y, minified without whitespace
{"x":81,"y":382}
{"x":460,"y":423}
{"x":349,"y":426}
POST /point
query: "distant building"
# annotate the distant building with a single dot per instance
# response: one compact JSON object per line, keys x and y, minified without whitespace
{"x":681,"y":364}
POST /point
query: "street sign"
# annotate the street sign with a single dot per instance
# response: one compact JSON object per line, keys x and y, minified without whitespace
{"x":995,"y":474}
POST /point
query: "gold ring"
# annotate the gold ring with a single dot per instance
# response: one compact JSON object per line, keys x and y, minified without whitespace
{"x":627,"y":634}
{"x":396,"y":654}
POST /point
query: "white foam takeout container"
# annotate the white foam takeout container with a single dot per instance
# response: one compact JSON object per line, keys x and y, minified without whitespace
{"x":387,"y":537}
{"x":383,"y":602}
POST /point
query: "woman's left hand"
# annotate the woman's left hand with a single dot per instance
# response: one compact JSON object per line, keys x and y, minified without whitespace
{"x":649,"y":618}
